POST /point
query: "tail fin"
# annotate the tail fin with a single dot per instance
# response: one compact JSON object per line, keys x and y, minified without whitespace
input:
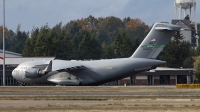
{"x":155,"y":41}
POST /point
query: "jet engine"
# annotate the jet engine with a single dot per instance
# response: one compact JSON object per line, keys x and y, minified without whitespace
{"x":34,"y":73}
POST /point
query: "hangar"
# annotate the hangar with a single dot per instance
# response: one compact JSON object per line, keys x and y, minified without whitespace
{"x":9,"y":54}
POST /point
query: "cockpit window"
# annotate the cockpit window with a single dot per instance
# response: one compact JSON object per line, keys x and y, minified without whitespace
{"x":23,"y":67}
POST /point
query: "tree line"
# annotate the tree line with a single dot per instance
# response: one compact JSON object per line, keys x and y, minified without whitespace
{"x":86,"y":38}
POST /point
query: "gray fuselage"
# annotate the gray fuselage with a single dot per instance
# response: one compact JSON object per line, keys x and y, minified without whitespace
{"x":94,"y":71}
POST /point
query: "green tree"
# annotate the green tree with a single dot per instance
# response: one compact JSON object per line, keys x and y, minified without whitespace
{"x":136,"y":43}
{"x":197,"y":67}
{"x":78,"y":39}
{"x":103,"y":37}
{"x":43,"y":45}
{"x":89,"y":47}
{"x":20,"y":40}
{"x":75,"y":41}
{"x":176,"y":51}
{"x":13,"y":41}
{"x":117,"y":44}
{"x":63,"y":48}
{"x":92,"y":24}
{"x":33,"y":38}
{"x":126,"y":47}
{"x":198,"y":51}
{"x":122,"y":46}
{"x":188,"y":63}
{"x":107,"y":51}
{"x":111,"y":26}
{"x":96,"y":49}
{"x":28,"y":48}
{"x":74,"y":29}
{"x":68,"y":48}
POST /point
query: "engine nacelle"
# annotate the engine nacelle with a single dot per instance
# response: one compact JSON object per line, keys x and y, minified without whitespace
{"x":34,"y":73}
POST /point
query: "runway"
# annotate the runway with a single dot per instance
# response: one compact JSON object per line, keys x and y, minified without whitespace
{"x":134,"y":94}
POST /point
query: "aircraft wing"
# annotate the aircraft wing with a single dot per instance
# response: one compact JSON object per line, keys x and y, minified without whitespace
{"x":71,"y":68}
{"x":61,"y":65}
{"x":40,"y":66}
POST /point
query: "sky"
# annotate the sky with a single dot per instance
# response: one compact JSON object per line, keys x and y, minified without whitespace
{"x":37,"y":13}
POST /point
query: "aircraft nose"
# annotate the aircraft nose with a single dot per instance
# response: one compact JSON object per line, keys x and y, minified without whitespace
{"x":13,"y":73}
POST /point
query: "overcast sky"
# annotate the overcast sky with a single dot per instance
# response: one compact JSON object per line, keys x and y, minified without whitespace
{"x":37,"y":13}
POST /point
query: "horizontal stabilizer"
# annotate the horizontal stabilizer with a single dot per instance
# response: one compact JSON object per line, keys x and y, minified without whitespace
{"x":163,"y":28}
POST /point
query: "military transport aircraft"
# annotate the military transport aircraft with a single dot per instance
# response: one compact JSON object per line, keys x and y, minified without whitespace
{"x":95,"y":72}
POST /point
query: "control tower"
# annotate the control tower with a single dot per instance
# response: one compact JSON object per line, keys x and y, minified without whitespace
{"x":185,"y":16}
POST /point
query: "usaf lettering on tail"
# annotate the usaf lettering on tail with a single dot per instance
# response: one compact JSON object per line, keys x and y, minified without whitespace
{"x":97,"y":72}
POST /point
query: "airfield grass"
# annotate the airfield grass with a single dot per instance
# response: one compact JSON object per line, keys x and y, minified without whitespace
{"x":95,"y":98}
{"x":95,"y":89}
{"x":105,"y":108}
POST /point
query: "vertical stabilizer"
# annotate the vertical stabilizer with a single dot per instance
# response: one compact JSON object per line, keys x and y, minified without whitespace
{"x":155,"y":41}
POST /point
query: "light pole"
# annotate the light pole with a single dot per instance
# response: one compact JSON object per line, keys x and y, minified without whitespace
{"x":4,"y":43}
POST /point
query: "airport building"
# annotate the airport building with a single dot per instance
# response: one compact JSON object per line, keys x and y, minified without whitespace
{"x":160,"y":76}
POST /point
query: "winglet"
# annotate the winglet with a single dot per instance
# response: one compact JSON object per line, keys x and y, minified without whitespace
{"x":49,"y":67}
